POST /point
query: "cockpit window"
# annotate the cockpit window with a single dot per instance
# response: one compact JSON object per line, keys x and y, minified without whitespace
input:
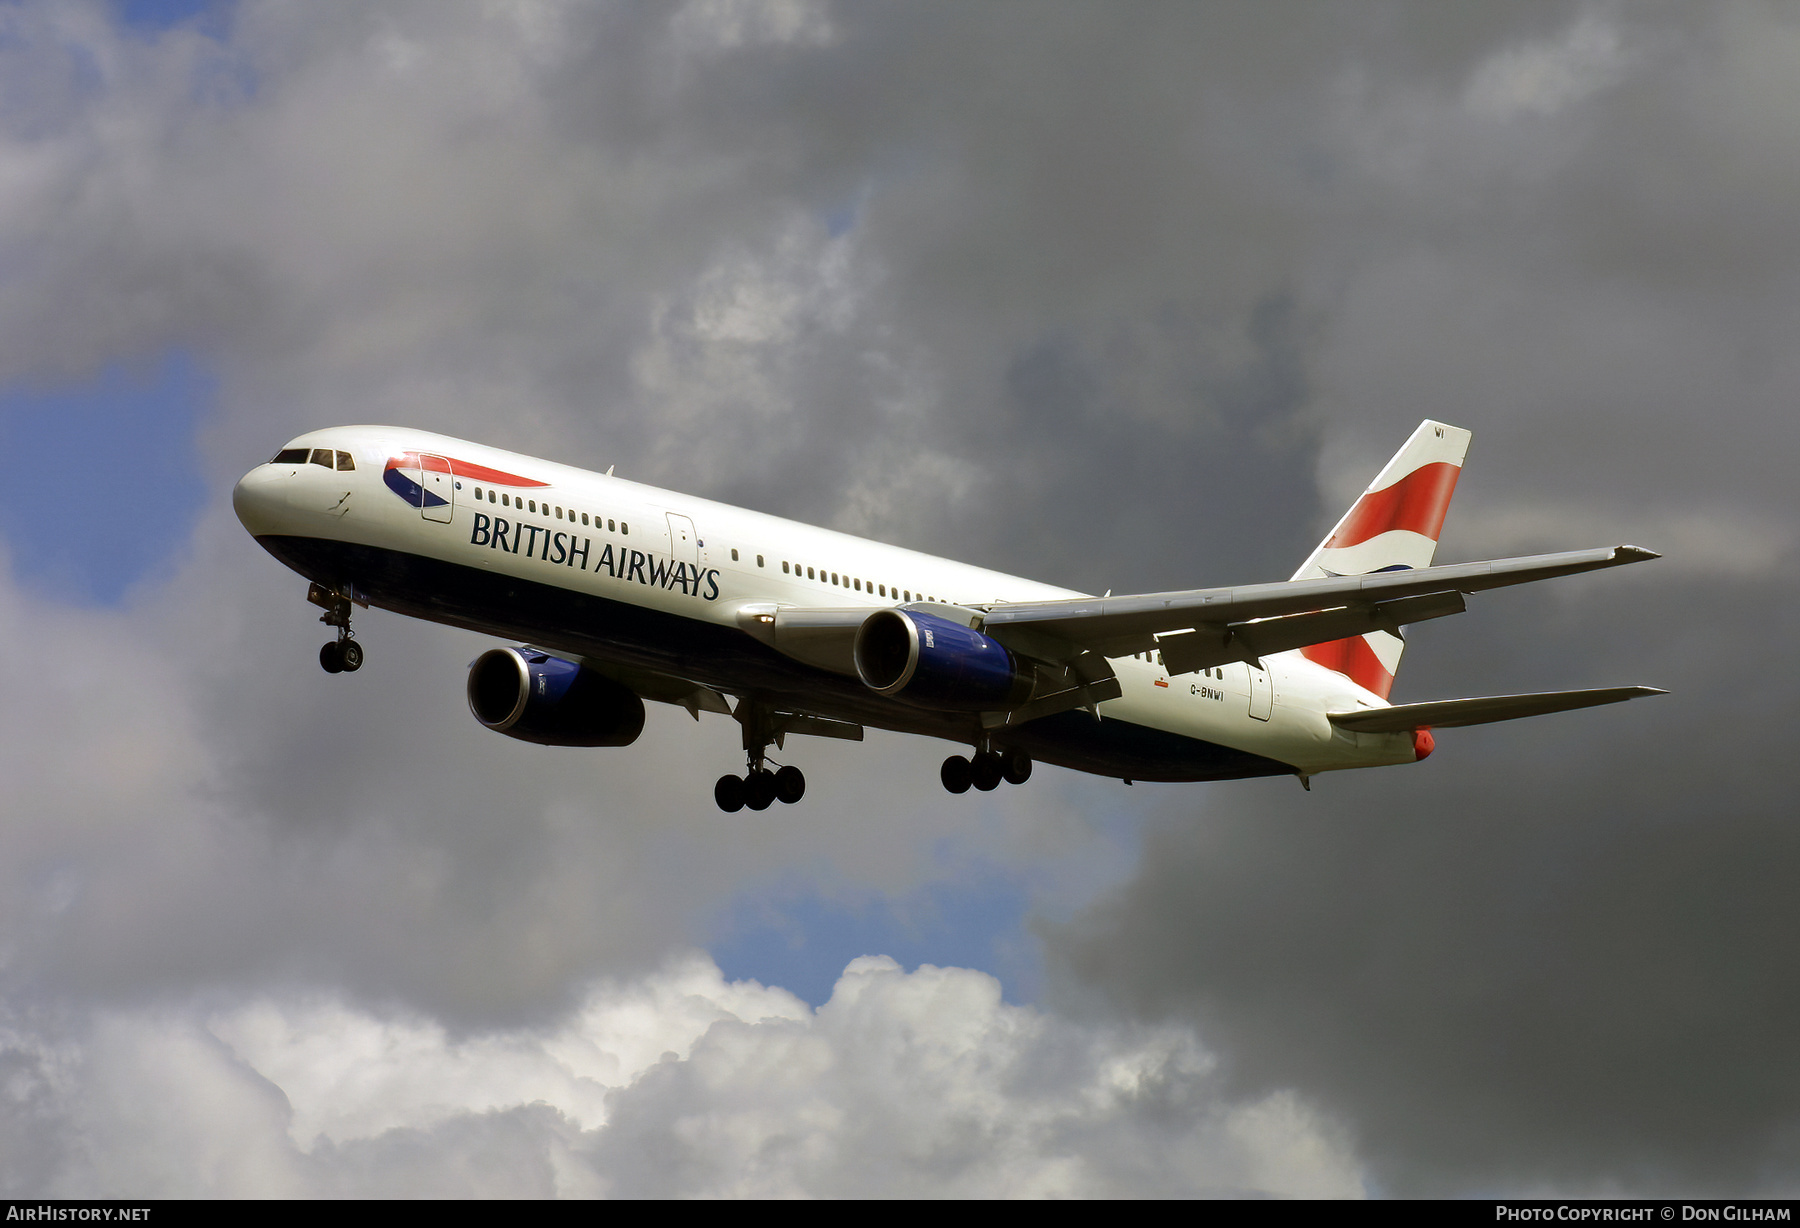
{"x":323,"y":456}
{"x":345,"y":464}
{"x":290,"y":456}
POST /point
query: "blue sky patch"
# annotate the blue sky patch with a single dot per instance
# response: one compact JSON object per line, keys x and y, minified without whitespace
{"x":102,"y":483}
{"x":802,"y":940}
{"x":154,"y":15}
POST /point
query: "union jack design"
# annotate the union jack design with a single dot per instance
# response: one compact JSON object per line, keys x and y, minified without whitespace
{"x":405,"y":475}
{"x":1394,"y":526}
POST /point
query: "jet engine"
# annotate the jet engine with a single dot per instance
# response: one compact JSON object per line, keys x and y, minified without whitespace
{"x":539,"y":698}
{"x":936,"y":663}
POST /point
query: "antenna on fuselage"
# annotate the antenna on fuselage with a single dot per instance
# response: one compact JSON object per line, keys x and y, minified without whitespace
{"x":609,"y":470}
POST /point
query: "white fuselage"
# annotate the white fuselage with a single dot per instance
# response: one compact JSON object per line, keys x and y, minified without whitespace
{"x":658,"y":579}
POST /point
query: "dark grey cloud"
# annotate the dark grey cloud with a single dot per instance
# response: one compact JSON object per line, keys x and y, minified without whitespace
{"x":1552,"y":956}
{"x":1557,"y":955}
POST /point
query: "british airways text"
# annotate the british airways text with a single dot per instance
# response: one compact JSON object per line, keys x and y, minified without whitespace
{"x":555,"y":546}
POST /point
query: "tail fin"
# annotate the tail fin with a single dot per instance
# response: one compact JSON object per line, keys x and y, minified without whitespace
{"x":1393,"y":527}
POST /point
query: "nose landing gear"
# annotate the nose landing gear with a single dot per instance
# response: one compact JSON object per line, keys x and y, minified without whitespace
{"x":342,"y":655}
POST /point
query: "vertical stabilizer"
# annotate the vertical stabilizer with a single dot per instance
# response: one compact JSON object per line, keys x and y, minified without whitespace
{"x":1394,"y":526}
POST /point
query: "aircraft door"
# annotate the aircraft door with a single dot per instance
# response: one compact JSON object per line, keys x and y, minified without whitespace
{"x":1262,"y":693}
{"x":683,"y":545}
{"x":439,"y":486}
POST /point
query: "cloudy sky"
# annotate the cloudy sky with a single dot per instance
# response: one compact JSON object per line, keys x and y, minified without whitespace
{"x":1125,"y":296}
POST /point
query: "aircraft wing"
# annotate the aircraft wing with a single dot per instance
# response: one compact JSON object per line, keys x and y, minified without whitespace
{"x":663,"y":688}
{"x":670,"y":689}
{"x":1198,"y":628}
{"x":1449,"y":713}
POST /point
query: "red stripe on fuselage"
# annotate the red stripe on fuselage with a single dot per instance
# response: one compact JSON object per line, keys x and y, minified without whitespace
{"x":461,"y":468}
{"x":1354,"y":659}
{"x":1417,"y":502}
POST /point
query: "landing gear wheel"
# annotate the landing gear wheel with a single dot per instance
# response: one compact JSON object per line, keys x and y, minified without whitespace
{"x":984,"y":772}
{"x":790,"y":785}
{"x":342,"y":655}
{"x":729,"y":793}
{"x":955,"y":774}
{"x":759,"y":790}
{"x":1015,"y":765}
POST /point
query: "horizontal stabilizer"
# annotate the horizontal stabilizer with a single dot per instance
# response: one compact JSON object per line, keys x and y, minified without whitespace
{"x":1449,"y":713}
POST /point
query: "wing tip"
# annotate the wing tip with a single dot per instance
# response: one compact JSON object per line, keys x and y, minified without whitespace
{"x":1633,"y":554}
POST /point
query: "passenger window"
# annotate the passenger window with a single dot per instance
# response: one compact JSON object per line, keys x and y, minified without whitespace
{"x":834,"y":577}
{"x":490,"y":496}
{"x":759,"y":561}
{"x":323,"y":456}
{"x":624,"y":528}
{"x":612,"y":526}
{"x":881,"y":590}
{"x":734,"y":557}
{"x":584,"y":518}
{"x":809,"y":574}
{"x":857,"y":585}
{"x":559,"y":513}
{"x":506,"y":500}
{"x":784,"y":567}
{"x":478,"y":492}
{"x":345,"y":464}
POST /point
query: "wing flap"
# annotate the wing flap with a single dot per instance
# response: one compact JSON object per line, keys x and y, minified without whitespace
{"x":786,"y":723}
{"x":1450,"y":713}
{"x":1184,"y":652}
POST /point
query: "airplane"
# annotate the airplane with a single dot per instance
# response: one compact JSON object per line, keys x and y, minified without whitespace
{"x":614,"y":593}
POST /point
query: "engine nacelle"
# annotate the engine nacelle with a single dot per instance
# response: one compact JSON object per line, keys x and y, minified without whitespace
{"x":936,"y":663}
{"x":539,"y":698}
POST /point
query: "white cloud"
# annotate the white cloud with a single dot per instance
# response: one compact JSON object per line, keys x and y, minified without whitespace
{"x":720,"y":25}
{"x":1548,"y":76}
{"x":921,"y":1083}
{"x":349,"y":1075}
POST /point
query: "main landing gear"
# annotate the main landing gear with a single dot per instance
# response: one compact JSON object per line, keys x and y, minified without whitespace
{"x":342,"y":655}
{"x":758,"y":788}
{"x":986,"y":770}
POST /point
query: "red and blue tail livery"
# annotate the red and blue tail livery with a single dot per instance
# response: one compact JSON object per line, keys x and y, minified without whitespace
{"x":1394,"y":526}
{"x":615,"y":593}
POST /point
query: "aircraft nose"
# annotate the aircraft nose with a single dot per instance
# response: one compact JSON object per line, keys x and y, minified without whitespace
{"x":258,"y":499}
